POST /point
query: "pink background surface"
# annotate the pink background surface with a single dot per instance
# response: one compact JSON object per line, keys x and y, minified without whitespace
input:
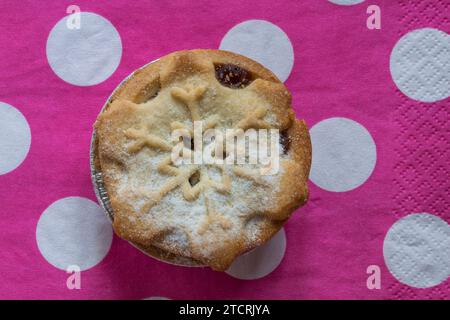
{"x":341,"y":69}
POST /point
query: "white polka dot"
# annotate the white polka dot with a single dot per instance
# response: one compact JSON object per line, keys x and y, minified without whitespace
{"x":346,"y":2}
{"x":261,"y":261}
{"x":344,"y":154}
{"x":417,"y":250}
{"x":74,"y":231}
{"x":15,"y":138}
{"x":85,"y":56}
{"x":264,"y":42}
{"x":156,"y":298}
{"x":420,"y":65}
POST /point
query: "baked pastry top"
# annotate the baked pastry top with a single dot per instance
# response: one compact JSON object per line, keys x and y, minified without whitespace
{"x":206,"y":214}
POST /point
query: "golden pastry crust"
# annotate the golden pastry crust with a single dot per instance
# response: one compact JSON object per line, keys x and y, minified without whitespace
{"x":230,"y":210}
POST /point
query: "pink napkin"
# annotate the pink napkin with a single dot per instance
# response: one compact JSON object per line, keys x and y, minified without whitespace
{"x":376,"y":101}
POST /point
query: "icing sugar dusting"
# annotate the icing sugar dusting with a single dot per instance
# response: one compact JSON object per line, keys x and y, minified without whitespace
{"x":214,"y":216}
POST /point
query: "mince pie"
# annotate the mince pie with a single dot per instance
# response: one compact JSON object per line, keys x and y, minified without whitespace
{"x":199,"y":213}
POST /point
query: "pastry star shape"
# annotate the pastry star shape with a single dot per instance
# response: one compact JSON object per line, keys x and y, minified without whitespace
{"x":181,"y":176}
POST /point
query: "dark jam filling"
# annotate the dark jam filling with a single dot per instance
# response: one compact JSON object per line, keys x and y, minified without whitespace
{"x":194,"y":179}
{"x":233,"y":76}
{"x":285,"y":141}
